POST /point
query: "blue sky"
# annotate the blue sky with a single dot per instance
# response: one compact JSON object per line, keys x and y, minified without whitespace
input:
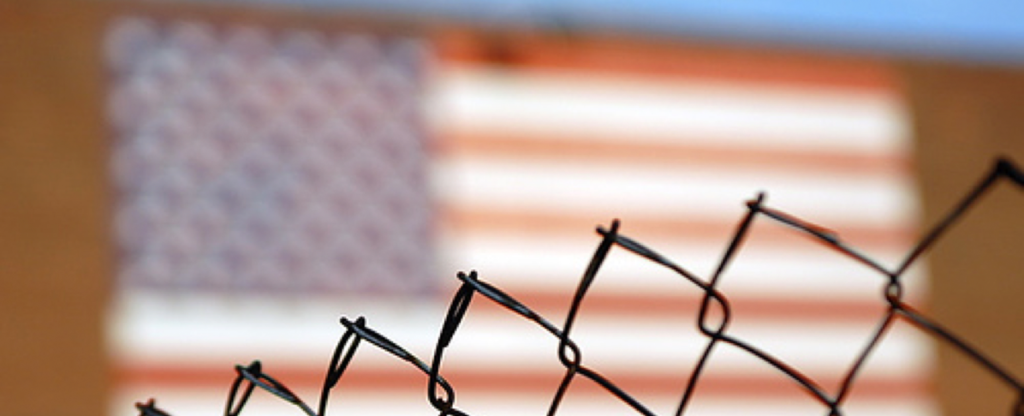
{"x":980,"y":30}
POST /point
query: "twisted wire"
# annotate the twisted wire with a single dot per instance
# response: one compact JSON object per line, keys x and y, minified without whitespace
{"x":441,"y":394}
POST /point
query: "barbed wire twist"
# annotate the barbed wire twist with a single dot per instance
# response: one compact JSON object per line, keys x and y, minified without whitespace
{"x":441,"y":395}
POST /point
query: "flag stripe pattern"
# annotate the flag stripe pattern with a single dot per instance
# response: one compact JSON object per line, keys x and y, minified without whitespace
{"x":534,"y":142}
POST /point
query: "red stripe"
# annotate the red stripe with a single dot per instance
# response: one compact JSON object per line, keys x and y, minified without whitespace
{"x":651,"y":58}
{"x":684,"y":308}
{"x":470,"y":142}
{"x":536,"y":224}
{"x":402,"y":381}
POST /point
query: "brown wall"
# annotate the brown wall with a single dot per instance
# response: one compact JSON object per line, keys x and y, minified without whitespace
{"x":964,"y":117}
{"x":54,"y":253}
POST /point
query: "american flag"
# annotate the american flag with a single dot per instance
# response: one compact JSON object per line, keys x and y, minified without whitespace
{"x":518,"y":146}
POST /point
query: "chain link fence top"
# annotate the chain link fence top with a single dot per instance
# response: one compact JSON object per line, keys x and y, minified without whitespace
{"x":713,"y":321}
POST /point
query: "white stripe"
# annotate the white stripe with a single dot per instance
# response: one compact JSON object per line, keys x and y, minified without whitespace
{"x":516,"y":184}
{"x":623,"y":109}
{"x":498,"y":341}
{"x":760,"y":407}
{"x":556,"y":264}
{"x":672,"y":347}
{"x":211,"y":329}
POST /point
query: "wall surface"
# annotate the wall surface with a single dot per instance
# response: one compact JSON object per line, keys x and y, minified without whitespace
{"x":54,"y":259}
{"x":964,"y":118}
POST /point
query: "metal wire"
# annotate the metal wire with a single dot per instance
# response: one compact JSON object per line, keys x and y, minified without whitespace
{"x":441,"y":394}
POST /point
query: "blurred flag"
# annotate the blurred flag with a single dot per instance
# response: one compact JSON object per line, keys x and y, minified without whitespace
{"x":284,"y":162}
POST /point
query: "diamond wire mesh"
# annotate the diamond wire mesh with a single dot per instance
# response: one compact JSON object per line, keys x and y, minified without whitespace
{"x":441,"y":394}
